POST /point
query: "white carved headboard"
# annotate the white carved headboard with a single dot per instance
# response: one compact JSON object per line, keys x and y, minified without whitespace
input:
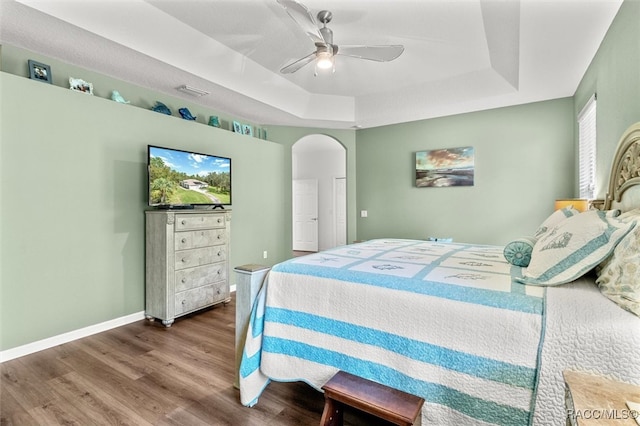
{"x":625,"y":173}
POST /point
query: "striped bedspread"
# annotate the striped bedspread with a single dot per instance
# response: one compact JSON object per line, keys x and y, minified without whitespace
{"x":440,"y":320}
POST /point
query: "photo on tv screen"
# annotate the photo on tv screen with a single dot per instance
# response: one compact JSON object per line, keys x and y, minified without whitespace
{"x":178,"y":177}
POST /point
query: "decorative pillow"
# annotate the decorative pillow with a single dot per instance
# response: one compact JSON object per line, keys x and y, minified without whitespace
{"x":518,"y":252}
{"x":555,"y":218}
{"x":619,"y":279}
{"x":630,"y":215}
{"x":574,"y":247}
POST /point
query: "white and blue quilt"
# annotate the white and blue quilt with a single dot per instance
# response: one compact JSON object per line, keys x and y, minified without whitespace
{"x":444,"y":321}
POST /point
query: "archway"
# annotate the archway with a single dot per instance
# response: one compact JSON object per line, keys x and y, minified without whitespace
{"x":319,"y":173}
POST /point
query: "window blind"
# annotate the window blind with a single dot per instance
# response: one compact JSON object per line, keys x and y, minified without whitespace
{"x":587,"y":149}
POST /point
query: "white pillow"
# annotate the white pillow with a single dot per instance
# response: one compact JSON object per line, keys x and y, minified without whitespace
{"x":573,"y":247}
{"x":630,"y":215}
{"x":555,"y":218}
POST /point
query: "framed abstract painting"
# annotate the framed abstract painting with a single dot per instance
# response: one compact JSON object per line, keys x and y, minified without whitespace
{"x":445,"y":167}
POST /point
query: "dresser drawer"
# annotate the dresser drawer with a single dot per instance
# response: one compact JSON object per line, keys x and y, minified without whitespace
{"x":198,"y":257}
{"x":199,"y":221}
{"x":196,"y":239}
{"x":196,"y":277}
{"x":191,"y":300}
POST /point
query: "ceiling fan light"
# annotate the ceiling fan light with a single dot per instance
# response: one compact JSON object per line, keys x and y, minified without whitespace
{"x":324,"y":60}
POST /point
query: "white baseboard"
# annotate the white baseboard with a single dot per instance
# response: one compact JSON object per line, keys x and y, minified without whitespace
{"x":50,"y":342}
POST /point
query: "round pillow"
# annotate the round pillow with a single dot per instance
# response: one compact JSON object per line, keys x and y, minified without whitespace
{"x":518,"y":252}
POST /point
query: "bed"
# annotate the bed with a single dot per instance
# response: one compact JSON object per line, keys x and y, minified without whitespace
{"x":481,"y":334}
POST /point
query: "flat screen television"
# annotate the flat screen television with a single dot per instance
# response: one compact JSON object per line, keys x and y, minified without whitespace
{"x":185,"y":179}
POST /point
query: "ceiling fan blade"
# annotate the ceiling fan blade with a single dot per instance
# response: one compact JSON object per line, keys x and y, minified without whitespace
{"x":303,"y":18}
{"x":372,"y":53}
{"x":295,"y":66}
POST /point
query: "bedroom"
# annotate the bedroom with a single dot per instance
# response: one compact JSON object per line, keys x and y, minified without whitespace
{"x":71,"y":260}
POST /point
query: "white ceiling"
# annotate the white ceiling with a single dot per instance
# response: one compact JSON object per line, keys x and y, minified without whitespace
{"x":460,"y":55}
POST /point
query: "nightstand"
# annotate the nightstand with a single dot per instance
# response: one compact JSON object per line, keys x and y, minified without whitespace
{"x":595,"y":400}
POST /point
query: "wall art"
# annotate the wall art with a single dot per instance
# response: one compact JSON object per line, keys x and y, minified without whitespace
{"x":78,"y":85}
{"x":445,"y":167}
{"x":39,"y":71}
{"x":247,"y":130}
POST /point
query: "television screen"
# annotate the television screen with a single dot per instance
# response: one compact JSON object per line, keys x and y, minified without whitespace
{"x":183,"y":178}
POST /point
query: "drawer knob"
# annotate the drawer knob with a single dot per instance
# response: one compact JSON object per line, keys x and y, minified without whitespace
{"x":218,"y":291}
{"x":219,"y":272}
{"x":184,"y":222}
{"x":184,"y":240}
{"x":184,"y":280}
{"x":219,"y":237}
{"x":219,"y":220}
{"x":184,"y":260}
{"x":184,"y":301}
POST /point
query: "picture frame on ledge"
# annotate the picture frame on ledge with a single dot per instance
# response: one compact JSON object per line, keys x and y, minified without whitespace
{"x":39,"y":71}
{"x":78,"y":85}
{"x":247,"y":130}
{"x":237,"y":127}
{"x":214,"y":121}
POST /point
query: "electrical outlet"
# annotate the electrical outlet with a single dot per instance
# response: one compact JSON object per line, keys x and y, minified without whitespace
{"x":264,"y":254}
{"x":364,"y":213}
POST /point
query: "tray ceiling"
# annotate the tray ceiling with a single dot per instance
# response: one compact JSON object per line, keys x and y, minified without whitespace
{"x":460,"y":55}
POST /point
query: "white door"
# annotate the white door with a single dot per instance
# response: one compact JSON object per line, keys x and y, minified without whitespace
{"x":305,"y":214}
{"x":340,"y":210}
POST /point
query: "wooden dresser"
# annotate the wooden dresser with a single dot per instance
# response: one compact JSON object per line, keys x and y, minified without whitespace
{"x":187,"y":265}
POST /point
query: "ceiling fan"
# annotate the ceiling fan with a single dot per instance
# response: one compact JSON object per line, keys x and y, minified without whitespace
{"x":325,"y":52}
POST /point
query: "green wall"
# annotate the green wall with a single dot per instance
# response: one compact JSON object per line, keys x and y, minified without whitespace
{"x":524,"y":159}
{"x":73,"y":192}
{"x":614,"y":74}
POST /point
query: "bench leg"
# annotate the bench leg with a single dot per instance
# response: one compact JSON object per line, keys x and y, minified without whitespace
{"x":332,"y":414}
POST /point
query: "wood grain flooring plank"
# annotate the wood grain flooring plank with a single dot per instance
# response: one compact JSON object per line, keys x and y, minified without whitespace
{"x":182,"y":417}
{"x":57,"y":413}
{"x":11,"y":412}
{"x":147,"y":402}
{"x":201,"y":368}
{"x":96,"y":405}
{"x":224,"y":410}
{"x":111,"y":354}
{"x":45,"y":365}
{"x":23,"y":384}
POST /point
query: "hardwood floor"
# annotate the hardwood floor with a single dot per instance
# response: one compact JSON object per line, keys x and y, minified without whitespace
{"x":144,"y":374}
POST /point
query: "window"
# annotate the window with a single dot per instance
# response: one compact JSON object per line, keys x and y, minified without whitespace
{"x":587,"y":149}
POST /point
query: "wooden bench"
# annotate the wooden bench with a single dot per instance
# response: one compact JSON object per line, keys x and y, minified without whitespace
{"x":393,"y":405}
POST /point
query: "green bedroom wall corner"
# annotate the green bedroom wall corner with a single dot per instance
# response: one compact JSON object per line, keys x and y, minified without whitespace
{"x":524,"y":159}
